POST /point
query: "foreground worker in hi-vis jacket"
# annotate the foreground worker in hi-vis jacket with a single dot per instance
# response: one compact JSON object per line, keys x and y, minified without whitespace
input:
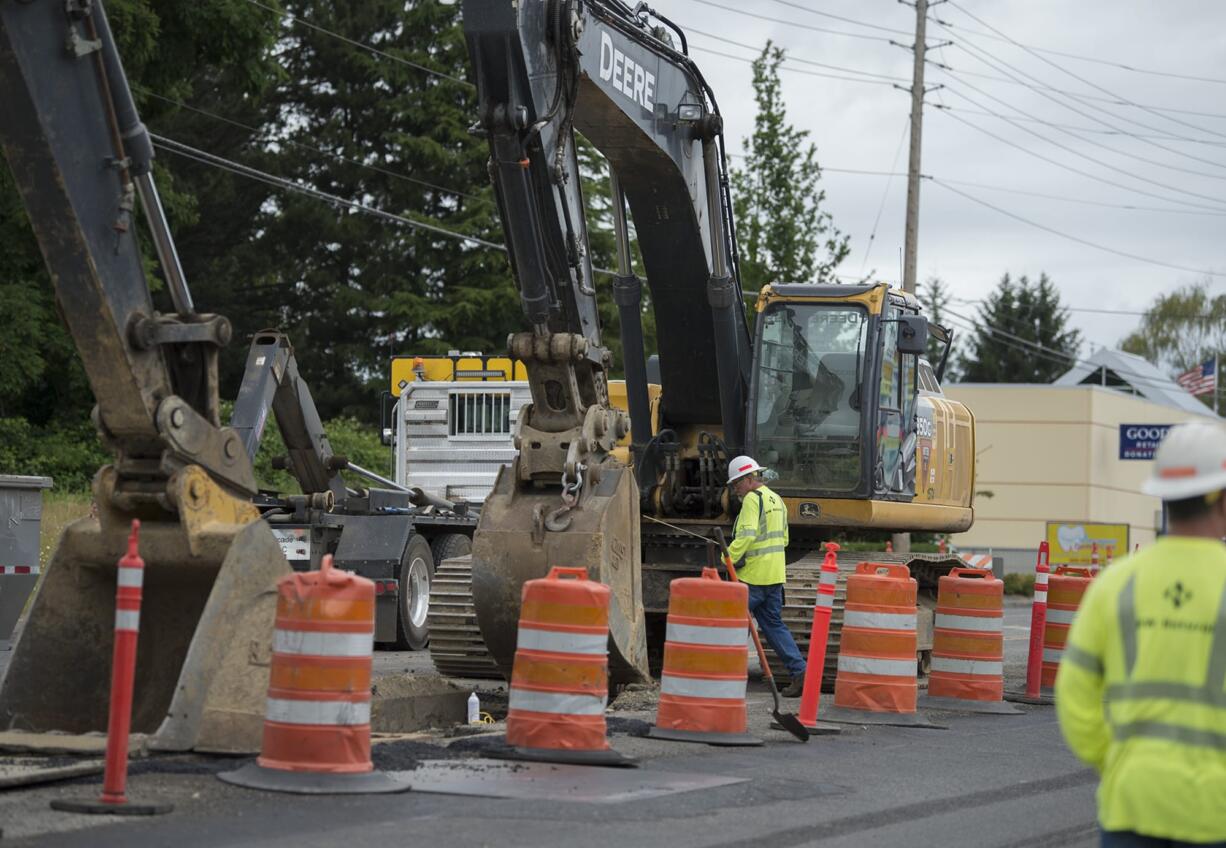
{"x":761,"y":538}
{"x":1141,"y":691}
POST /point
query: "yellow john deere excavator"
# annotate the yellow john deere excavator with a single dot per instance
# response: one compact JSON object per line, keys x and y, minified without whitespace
{"x":831,"y":389}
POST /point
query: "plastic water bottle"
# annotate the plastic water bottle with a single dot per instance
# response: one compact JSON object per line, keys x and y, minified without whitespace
{"x":474,"y":709}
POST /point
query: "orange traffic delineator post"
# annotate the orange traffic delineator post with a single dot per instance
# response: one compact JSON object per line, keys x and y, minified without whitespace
{"x":129,"y":582}
{"x":560,"y":677}
{"x":876,"y":678}
{"x":968,"y":645}
{"x":819,"y":635}
{"x":317,"y":718}
{"x":1066,"y":587}
{"x":1094,"y":560}
{"x":706,"y":664}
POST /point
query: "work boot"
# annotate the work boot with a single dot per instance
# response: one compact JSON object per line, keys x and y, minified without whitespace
{"x":794,"y":688}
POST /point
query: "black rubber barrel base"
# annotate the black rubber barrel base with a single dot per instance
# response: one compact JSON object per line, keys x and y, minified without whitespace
{"x":728,"y":739}
{"x":255,"y":776}
{"x":95,"y":807}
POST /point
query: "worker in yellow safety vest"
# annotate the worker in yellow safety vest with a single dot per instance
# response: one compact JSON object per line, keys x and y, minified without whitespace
{"x":761,"y":538}
{"x":1141,"y":691}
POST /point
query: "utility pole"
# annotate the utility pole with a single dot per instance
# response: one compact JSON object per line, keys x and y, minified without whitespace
{"x":902,"y":541}
{"x":911,"y":243}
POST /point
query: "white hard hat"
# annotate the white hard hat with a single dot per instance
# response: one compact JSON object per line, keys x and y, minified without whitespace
{"x":1191,"y":461}
{"x":742,"y":466}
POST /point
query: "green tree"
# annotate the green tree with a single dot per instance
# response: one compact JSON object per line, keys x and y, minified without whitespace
{"x":352,"y":289}
{"x":1181,"y":329}
{"x":1021,"y":335}
{"x":785,"y":233}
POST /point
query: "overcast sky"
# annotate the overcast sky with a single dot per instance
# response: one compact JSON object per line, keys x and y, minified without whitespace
{"x":860,"y":126}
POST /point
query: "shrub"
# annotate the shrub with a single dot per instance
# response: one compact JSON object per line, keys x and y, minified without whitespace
{"x":1019,"y":584}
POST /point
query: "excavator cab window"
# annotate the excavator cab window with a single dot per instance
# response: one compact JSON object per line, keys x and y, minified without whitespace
{"x":808,"y":403}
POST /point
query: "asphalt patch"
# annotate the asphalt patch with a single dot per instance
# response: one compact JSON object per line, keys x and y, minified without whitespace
{"x":407,"y":754}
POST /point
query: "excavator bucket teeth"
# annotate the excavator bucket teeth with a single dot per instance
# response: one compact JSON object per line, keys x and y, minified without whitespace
{"x":205,"y":634}
{"x":512,"y":546}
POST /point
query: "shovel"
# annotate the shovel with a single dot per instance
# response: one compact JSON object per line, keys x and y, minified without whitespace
{"x":787,"y":721}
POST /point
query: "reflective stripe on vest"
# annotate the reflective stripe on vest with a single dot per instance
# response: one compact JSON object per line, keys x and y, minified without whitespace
{"x":949,"y":621}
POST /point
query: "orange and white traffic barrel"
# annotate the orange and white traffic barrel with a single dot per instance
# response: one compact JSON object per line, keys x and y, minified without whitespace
{"x":1065,"y":589}
{"x":706,"y":664}
{"x":877,"y":663}
{"x":317,"y":718}
{"x":560,"y":678}
{"x":968,"y":644}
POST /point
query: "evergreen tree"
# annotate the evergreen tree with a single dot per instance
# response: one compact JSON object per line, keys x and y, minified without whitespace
{"x":390,"y":132}
{"x":1021,"y":335}
{"x":785,"y":234}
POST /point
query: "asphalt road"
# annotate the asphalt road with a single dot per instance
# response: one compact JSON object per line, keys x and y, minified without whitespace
{"x":991,"y":781}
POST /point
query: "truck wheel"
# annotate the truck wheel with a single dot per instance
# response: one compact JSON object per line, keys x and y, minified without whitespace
{"x":450,"y":545}
{"x":416,"y":571}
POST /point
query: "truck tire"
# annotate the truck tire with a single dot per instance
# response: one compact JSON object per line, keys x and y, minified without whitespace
{"x":450,"y":545}
{"x":416,"y":571}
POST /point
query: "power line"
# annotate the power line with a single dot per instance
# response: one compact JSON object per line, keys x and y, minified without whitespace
{"x":1065,"y":70}
{"x":996,"y":63}
{"x":945,"y":66}
{"x":868,"y":248}
{"x":1076,"y":239}
{"x":1095,"y":130}
{"x":1085,"y":140}
{"x":789,"y":57}
{"x":1081,"y":58}
{"x":204,"y":157}
{"x":789,"y":23}
{"x":337,"y":156}
{"x":1078,"y":171}
{"x":195,"y":154}
{"x":373,"y":50}
{"x":792,"y":69}
{"x":978,"y":302}
{"x":1124,"y":206}
{"x":843,"y":19}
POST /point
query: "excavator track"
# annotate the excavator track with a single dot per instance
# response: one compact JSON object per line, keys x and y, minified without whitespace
{"x":800,"y":595}
{"x":456,"y":646}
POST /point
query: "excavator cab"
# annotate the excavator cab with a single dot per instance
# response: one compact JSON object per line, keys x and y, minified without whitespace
{"x":837,"y":408}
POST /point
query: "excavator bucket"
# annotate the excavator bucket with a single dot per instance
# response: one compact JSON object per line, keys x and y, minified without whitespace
{"x":514,"y":543}
{"x":205,"y":628}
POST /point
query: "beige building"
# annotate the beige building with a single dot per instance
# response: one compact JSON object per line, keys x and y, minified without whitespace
{"x":1073,"y":452}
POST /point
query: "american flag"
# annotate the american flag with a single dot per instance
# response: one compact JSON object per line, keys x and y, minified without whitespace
{"x":1201,"y":380}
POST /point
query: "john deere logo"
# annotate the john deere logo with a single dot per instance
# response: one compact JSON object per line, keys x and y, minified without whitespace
{"x":1177,"y":594}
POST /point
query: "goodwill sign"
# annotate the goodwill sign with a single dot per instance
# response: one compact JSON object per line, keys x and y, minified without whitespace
{"x":1139,"y":441}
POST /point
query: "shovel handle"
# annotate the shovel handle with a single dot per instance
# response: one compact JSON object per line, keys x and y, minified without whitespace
{"x":753,"y":630}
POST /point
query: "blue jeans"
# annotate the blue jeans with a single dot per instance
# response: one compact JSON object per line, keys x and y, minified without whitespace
{"x":766,"y":605}
{"x":1128,"y":839}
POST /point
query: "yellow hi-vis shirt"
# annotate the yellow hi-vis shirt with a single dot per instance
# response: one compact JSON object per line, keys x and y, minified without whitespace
{"x":761,"y":537}
{"x":1141,"y":690}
